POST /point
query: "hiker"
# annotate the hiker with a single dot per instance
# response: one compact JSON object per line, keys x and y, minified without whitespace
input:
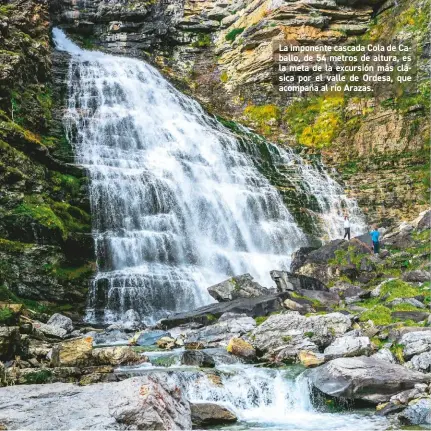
{"x":346,"y":227}
{"x":375,"y":234}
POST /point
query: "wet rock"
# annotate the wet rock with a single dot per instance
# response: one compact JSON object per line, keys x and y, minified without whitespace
{"x":221,"y":332}
{"x":10,"y":339}
{"x":287,"y":281}
{"x":363,"y":379}
{"x":60,"y":321}
{"x":418,"y":413}
{"x":348,"y":347}
{"x":241,"y":286}
{"x":416,"y":316}
{"x":197,"y":358}
{"x":384,"y":354}
{"x":417,"y":276}
{"x":76,"y":352}
{"x":207,"y":414}
{"x":119,"y":355}
{"x":253,"y":307}
{"x":109,"y":336}
{"x":166,"y":343}
{"x":149,"y":338}
{"x":299,"y":257}
{"x":310,"y":359}
{"x":130,"y":321}
{"x":144,"y":402}
{"x":241,"y":348}
{"x":291,"y":328}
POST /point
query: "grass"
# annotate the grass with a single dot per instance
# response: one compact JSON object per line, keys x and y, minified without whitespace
{"x":379,"y":314}
{"x":399,"y":289}
{"x":231,"y":36}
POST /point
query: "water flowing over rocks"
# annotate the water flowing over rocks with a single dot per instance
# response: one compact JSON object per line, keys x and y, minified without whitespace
{"x":364,"y":379}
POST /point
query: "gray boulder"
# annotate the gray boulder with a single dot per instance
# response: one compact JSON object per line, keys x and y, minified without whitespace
{"x":287,"y":281}
{"x":219,"y":334}
{"x":384,"y":354}
{"x":363,"y":379}
{"x":285,"y":329}
{"x":411,"y":301}
{"x":241,"y":286}
{"x":417,"y":276}
{"x":424,"y":221}
{"x":416,"y":316}
{"x":50,"y":331}
{"x":421,"y":362}
{"x":417,"y":413}
{"x":415,"y":343}
{"x":207,"y":414}
{"x":142,"y":402}
{"x":60,"y":321}
{"x":345,"y":347}
{"x":197,"y":358}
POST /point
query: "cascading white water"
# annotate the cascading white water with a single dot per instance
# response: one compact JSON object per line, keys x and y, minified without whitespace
{"x":177,"y":205}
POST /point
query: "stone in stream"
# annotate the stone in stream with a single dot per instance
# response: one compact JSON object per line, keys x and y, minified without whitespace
{"x":207,"y":414}
{"x":241,"y":348}
{"x":145,"y":402}
{"x":363,"y":379}
{"x":75,"y":352}
{"x":253,"y":307}
{"x":149,"y":338}
{"x":347,"y":347}
{"x":310,"y":359}
{"x":241,"y":286}
{"x":197,"y":358}
{"x":60,"y":321}
{"x":118,"y":355}
{"x":218,"y":335}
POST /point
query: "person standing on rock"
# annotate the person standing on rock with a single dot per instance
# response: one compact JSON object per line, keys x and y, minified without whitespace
{"x":346,"y":227}
{"x":375,"y":235}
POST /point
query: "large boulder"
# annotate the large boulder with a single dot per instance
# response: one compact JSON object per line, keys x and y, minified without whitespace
{"x":241,"y":286}
{"x":118,"y":355}
{"x":294,"y":332}
{"x":72,"y":353}
{"x":415,"y":316}
{"x":417,"y":413}
{"x":151,"y":402}
{"x":218,"y":335}
{"x":424,"y":220}
{"x":421,"y":362}
{"x":345,"y":347}
{"x":363,"y":379}
{"x":415,"y":343}
{"x":287,"y":281}
{"x":299,"y":257}
{"x":208,"y":414}
{"x":50,"y":331}
{"x":60,"y":321}
{"x":253,"y":307}
{"x":9,"y":342}
{"x":417,"y":276}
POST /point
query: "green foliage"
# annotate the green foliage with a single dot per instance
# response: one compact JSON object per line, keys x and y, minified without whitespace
{"x":262,"y":116}
{"x":231,"y":36}
{"x":379,"y":314}
{"x":5,"y":315}
{"x":315,"y":121}
{"x":38,"y":377}
{"x":224,"y":77}
{"x":398,"y":289}
{"x":260,"y":319}
{"x":308,"y":334}
{"x":203,"y":40}
{"x":13,"y":246}
{"x":287,"y":338}
{"x":211,"y":318}
{"x":397,"y":350}
{"x":70,"y":273}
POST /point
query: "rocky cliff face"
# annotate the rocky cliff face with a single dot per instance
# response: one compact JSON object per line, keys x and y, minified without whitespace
{"x":45,"y":242}
{"x":221,"y":52}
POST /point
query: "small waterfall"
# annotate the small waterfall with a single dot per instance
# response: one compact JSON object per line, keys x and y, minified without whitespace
{"x":177,"y":202}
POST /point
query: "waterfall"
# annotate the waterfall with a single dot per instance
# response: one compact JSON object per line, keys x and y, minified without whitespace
{"x":177,"y":203}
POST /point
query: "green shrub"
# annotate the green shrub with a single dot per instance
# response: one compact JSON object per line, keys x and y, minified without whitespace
{"x":231,"y":36}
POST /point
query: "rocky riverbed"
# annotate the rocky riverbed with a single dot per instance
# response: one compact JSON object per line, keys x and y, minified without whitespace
{"x":345,"y":328}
